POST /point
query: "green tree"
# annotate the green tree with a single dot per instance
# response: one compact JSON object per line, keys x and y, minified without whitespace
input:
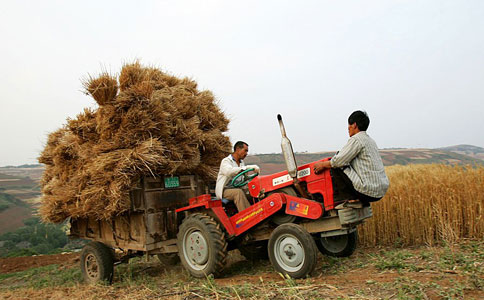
{"x":44,"y":238}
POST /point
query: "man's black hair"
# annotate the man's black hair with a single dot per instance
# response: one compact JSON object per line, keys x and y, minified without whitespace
{"x":239,"y":145}
{"x":360,"y":118}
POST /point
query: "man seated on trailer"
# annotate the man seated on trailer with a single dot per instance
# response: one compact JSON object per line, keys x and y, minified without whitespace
{"x":229,"y":167}
{"x":359,"y":163}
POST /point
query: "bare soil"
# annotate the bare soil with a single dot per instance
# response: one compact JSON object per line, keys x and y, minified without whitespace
{"x":423,"y":273}
{"x":17,"y":264}
{"x":12,"y":218}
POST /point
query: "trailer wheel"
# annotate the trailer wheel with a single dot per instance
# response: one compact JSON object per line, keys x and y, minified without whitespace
{"x":97,"y":263}
{"x":168,"y":259}
{"x":281,"y":217}
{"x":255,"y":251}
{"x":292,"y":250}
{"x":202,"y":246}
{"x":338,"y":246}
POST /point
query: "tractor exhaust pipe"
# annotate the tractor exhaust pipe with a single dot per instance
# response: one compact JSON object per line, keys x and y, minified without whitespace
{"x":287,"y":151}
{"x":290,"y":159}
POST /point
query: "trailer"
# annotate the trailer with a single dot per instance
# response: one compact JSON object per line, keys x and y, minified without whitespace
{"x":149,"y":227}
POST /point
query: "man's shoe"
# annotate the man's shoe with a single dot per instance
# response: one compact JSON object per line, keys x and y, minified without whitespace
{"x":350,"y":204}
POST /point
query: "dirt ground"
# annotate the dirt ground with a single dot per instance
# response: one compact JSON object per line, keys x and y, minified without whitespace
{"x":12,"y":218}
{"x":425,"y":273}
{"x":17,"y":264}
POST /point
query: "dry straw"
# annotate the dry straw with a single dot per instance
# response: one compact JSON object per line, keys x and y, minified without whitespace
{"x":154,"y":123}
{"x":428,"y":204}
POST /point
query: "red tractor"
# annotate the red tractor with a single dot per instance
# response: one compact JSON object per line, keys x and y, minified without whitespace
{"x":294,"y":213}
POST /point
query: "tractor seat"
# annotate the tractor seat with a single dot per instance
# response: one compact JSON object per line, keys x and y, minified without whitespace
{"x":224,"y":201}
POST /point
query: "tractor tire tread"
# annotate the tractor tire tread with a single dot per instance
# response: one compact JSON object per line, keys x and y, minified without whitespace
{"x":218,"y":238}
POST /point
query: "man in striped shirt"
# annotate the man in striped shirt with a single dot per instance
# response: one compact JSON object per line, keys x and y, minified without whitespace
{"x":359,"y":162}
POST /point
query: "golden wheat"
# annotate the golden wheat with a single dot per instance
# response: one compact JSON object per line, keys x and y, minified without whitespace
{"x":428,"y":204}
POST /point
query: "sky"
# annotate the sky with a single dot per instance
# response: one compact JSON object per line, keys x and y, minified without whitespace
{"x":416,"y":67}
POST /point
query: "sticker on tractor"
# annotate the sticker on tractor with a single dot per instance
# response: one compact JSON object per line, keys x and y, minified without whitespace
{"x":299,"y":207}
{"x":240,"y":222}
{"x":281,"y":180}
{"x":303,"y":173}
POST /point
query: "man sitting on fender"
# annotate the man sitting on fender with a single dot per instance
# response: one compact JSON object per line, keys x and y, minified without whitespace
{"x":229,"y":167}
{"x":359,"y":162}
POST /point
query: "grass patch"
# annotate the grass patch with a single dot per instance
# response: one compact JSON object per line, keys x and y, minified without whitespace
{"x":409,"y":289}
{"x":394,"y":260}
{"x":42,"y":277}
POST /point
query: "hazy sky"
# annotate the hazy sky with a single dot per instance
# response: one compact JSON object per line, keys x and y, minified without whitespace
{"x":416,"y":67}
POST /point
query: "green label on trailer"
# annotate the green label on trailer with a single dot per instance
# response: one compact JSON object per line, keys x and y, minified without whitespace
{"x":172,"y":182}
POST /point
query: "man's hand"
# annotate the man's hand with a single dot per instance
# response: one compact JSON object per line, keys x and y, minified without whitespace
{"x":255,"y":167}
{"x":320,"y":166}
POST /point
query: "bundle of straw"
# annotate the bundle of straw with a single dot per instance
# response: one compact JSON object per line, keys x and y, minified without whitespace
{"x":148,"y":123}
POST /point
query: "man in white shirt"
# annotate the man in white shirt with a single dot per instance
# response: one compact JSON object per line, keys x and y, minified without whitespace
{"x":359,"y":163}
{"x":229,"y":167}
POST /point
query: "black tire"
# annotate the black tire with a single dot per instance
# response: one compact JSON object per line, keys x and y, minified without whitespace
{"x":292,"y":251}
{"x":202,"y":247}
{"x":281,"y":217}
{"x":169,"y":259}
{"x":255,"y":251}
{"x":97,"y":263}
{"x":338,"y":246}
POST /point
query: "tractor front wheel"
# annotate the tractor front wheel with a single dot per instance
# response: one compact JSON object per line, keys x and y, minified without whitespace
{"x":202,"y":246}
{"x":292,"y":250}
{"x":338,"y":246}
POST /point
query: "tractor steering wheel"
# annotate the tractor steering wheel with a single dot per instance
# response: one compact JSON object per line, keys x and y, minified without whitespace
{"x":242,"y":183}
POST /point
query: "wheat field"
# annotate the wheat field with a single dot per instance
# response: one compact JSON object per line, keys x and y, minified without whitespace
{"x":427,"y":205}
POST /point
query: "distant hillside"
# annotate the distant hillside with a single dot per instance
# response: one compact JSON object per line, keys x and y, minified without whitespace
{"x":12,"y":212}
{"x":469,"y":150}
{"x":271,"y":163}
{"x":426,"y":156}
{"x":19,"y":196}
{"x":33,"y":172}
{"x":30,"y":166}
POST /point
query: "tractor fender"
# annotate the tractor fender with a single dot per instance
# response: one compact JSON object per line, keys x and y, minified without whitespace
{"x":304,"y":208}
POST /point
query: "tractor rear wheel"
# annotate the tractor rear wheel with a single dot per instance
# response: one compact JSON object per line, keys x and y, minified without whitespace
{"x":202,"y":247}
{"x":339,"y":245}
{"x":97,"y":263}
{"x":292,"y":250}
